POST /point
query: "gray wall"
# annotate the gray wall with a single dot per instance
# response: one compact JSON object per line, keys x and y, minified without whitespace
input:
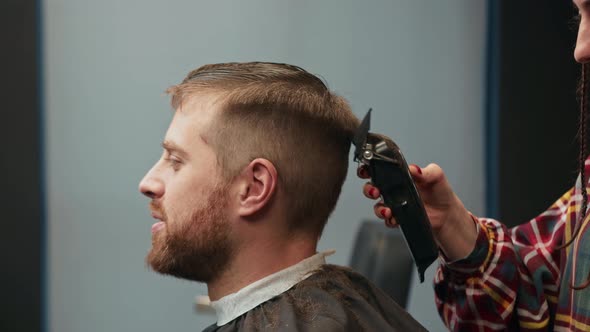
{"x":419,"y":65}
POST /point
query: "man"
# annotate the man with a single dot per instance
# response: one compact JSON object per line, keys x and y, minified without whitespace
{"x":253,"y":165}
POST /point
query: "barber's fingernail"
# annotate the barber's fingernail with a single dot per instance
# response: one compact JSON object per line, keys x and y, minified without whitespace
{"x":362,"y":172}
{"x":372,"y":192}
{"x":382,"y":213}
{"x":418,"y":168}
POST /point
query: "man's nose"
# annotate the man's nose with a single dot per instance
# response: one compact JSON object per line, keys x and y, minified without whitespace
{"x":582,"y":51}
{"x":151,"y":186}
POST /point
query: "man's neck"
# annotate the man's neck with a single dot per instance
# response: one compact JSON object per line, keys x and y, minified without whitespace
{"x":254,"y":262}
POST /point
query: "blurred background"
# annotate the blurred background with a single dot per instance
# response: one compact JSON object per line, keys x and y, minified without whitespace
{"x":486,"y":89}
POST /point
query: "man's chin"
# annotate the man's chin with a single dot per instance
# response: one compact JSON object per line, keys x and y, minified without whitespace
{"x":180,"y":260}
{"x":161,"y":261}
{"x":154,"y":259}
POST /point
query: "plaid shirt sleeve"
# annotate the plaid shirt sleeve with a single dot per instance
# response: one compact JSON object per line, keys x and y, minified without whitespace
{"x":510,"y":282}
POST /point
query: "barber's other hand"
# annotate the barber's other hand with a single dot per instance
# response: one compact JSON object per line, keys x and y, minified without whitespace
{"x":452,"y":225}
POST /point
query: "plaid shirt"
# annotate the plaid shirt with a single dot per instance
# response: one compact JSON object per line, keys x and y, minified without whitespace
{"x":516,"y":279}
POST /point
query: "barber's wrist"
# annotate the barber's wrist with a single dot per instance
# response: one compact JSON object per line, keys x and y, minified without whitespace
{"x":458,"y":236}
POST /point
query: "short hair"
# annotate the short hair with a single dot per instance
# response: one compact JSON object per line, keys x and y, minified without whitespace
{"x":282,"y":113}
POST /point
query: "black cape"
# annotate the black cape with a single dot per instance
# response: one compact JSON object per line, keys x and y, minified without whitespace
{"x":334,"y":298}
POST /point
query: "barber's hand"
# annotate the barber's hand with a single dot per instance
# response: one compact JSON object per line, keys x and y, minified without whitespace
{"x":452,"y":225}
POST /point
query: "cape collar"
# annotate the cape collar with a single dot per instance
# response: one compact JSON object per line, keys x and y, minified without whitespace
{"x":236,"y":304}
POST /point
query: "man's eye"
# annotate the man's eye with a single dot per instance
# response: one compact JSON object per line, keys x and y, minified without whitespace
{"x":574,"y":23}
{"x":175,"y":163}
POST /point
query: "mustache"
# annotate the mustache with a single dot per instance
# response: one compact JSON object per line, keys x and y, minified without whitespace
{"x":157,"y":208}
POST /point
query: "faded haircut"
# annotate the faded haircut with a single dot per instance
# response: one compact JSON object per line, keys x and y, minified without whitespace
{"x":284,"y":114}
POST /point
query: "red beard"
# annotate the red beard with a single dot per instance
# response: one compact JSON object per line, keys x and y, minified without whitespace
{"x":197,"y":249}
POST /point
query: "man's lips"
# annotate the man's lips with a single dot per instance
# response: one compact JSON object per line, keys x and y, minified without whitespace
{"x":157,"y":215}
{"x":160,"y":224}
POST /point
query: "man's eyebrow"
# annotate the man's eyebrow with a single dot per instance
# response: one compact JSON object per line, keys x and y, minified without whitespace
{"x":173,"y":147}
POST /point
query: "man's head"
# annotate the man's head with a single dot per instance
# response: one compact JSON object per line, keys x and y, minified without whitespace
{"x":248,"y":141}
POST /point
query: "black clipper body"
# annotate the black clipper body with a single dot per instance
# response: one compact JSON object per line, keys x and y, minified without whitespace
{"x":390,"y":173}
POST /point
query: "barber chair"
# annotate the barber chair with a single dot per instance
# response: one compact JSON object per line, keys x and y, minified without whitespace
{"x":380,"y":254}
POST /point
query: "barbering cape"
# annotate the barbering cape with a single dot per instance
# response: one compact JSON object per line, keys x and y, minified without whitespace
{"x":333,"y":298}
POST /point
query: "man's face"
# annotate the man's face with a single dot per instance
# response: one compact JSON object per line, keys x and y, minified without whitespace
{"x":191,"y":239}
{"x":582,"y":51}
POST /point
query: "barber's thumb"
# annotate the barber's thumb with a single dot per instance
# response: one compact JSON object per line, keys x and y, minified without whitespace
{"x":427,"y":176}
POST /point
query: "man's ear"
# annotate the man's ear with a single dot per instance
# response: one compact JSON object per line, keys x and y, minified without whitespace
{"x":257,"y":186}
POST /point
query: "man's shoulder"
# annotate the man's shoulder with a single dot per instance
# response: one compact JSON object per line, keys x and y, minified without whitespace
{"x":339,"y":298}
{"x":336,"y":280}
{"x":348,"y":288}
{"x":350,"y":299}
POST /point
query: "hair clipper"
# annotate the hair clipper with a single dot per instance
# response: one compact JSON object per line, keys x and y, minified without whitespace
{"x":389,"y":172}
